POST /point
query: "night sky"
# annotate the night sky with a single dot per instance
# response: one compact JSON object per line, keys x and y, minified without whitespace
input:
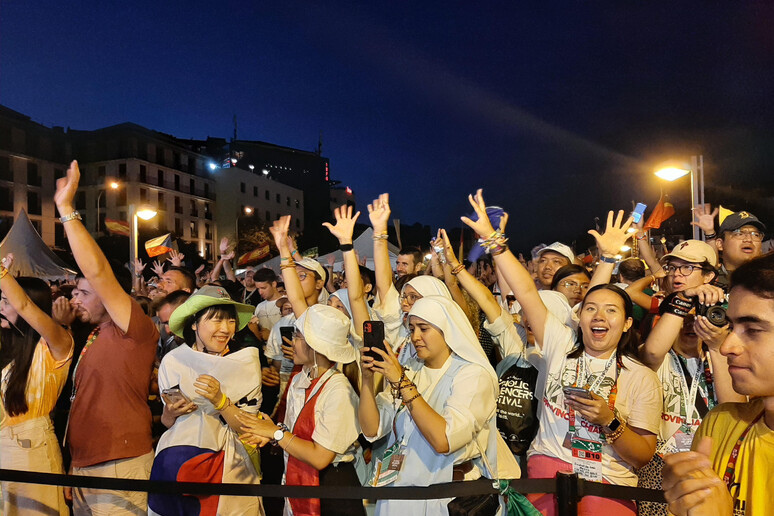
{"x":560,"y":113}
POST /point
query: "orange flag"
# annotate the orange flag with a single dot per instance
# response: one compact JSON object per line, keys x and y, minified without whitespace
{"x":256,"y":254}
{"x":117,"y":227}
{"x":661,"y":212}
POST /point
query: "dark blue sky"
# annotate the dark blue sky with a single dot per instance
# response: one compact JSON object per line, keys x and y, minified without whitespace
{"x":558,"y":112}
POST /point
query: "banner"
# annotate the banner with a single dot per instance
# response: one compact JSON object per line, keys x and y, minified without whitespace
{"x":257,"y":254}
{"x":159,"y":245}
{"x":661,"y":212}
{"x":117,"y":227}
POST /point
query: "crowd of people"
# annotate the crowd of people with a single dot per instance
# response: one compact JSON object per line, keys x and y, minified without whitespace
{"x":652,"y":371}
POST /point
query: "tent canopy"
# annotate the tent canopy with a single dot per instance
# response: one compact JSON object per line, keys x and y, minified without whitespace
{"x":31,"y":256}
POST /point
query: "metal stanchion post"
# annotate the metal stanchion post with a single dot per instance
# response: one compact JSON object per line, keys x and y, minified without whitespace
{"x":567,"y":494}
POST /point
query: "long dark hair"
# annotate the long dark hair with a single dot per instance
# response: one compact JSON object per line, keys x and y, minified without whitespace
{"x":18,"y":346}
{"x":629,"y":341}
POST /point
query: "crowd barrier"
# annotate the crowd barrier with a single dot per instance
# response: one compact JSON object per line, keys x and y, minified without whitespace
{"x":568,"y":488}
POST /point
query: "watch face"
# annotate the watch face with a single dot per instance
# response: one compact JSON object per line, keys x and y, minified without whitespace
{"x":279,"y":434}
{"x":613,"y":426}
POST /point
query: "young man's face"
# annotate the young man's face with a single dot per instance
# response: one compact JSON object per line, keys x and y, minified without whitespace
{"x":405,"y":264}
{"x":678,"y":279}
{"x":749,"y":347}
{"x":88,"y":306}
{"x":547,"y":265}
{"x":172,"y":281}
{"x":740,"y":246}
{"x":267,"y":289}
{"x":248,"y":281}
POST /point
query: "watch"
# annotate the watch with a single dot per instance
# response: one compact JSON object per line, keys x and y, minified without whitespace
{"x":607,"y":259}
{"x":279,"y":434}
{"x":614,"y":425}
{"x":70,"y":216}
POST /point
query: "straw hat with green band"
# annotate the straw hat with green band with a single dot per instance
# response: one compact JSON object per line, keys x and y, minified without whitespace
{"x":206,"y":297}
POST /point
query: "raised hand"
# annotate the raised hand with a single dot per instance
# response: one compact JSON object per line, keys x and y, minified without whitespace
{"x":705,"y":218}
{"x":139,"y":267}
{"x":228,"y":256}
{"x":224,"y":245}
{"x":482,"y":226}
{"x":330,"y":260}
{"x":615,"y":235}
{"x":158,"y":268}
{"x":345,"y":224}
{"x":66,"y":188}
{"x":62,"y":311}
{"x":175,"y":258}
{"x":379,"y":213}
{"x":447,"y":249}
{"x":279,"y":230}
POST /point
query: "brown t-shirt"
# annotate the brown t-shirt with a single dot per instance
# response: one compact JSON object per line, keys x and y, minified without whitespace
{"x":110,"y":418}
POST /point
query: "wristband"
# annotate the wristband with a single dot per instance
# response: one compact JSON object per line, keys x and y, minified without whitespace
{"x":459,"y":268}
{"x":223,"y":403}
{"x":675,"y":305}
{"x":346,"y":247}
{"x":380,"y":236}
{"x":710,"y":235}
{"x":607,"y":259}
{"x":294,"y":252}
{"x":406,"y":402}
{"x":643,"y":237}
{"x":70,"y":216}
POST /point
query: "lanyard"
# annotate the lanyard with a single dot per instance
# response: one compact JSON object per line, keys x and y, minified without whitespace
{"x":92,"y":337}
{"x":688,"y":397}
{"x":613,"y":391}
{"x":426,"y":393}
{"x":728,"y":476}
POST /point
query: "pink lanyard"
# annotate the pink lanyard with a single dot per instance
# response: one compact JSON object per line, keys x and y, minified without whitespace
{"x":728,"y":476}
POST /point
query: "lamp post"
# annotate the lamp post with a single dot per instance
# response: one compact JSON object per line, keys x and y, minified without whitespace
{"x":114,"y":185}
{"x":144,"y":213}
{"x":671,"y":172}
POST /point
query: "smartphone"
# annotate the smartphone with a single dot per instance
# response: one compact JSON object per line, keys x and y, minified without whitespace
{"x":638,"y":212}
{"x":174,"y":394}
{"x":286,"y":332}
{"x":373,"y":337}
{"x":578,"y":392}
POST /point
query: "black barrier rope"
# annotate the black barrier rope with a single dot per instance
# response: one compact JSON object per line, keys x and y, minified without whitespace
{"x":577,"y":488}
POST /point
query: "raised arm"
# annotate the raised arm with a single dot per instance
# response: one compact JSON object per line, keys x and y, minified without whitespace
{"x":379,"y":213}
{"x":295,"y":291}
{"x":646,"y":251}
{"x":87,"y":253}
{"x":609,"y":244}
{"x":343,"y":231}
{"x":514,"y":272}
{"x":58,"y":339}
{"x":705,"y":220}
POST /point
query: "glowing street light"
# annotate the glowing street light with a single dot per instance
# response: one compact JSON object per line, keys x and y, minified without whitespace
{"x":144,"y":213}
{"x":672,"y":171}
{"x":212,"y":165}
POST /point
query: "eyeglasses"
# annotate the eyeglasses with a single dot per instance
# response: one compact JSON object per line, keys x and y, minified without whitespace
{"x":410,"y":298}
{"x":302,"y":276}
{"x":575,"y":286}
{"x":685,"y":269}
{"x":755,"y":236}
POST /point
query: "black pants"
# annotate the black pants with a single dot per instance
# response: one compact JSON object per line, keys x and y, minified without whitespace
{"x":341,"y":474}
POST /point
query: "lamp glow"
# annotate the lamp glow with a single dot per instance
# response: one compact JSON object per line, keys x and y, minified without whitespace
{"x":146,"y":213}
{"x":672,"y":173}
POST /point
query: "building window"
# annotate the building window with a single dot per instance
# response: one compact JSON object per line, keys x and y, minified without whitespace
{"x":101,"y":171}
{"x":60,"y":240}
{"x":159,"y":155}
{"x":177,"y":183}
{"x":5,"y":169}
{"x":161,"y":178}
{"x":121,"y":197}
{"x":122,"y":170}
{"x":143,"y":174}
{"x":161,"y":200}
{"x":34,"y":206}
{"x":178,"y":205}
{"x":207,"y":232}
{"x":242,"y":187}
{"x":194,"y":226}
{"x":207,"y":190}
{"x":37,"y":225}
{"x":207,"y":212}
{"x":194,"y":209}
{"x":267,"y":195}
{"x":143,"y":195}
{"x":268,"y":216}
{"x":298,"y":223}
{"x":192,"y":187}
{"x":208,"y":252}
{"x":178,"y":227}
{"x":33,"y":178}
{"x":6,"y":198}
{"x":287,"y":201}
{"x":278,"y":197}
{"x":80,"y":200}
{"x":255,"y":191}
{"x":298,"y":203}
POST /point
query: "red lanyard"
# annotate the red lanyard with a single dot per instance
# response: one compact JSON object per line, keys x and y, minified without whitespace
{"x":728,"y":476}
{"x":613,"y":390}
{"x":92,"y":337}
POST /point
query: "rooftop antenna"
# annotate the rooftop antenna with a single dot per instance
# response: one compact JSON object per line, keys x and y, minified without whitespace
{"x":319,"y":144}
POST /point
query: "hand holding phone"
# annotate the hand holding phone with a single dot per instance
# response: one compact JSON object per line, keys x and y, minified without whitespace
{"x":638,"y":212}
{"x":373,"y":337}
{"x":578,"y":392}
{"x":174,"y":395}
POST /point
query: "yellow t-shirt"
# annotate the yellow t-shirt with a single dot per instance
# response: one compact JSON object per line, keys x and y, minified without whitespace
{"x":44,"y":384}
{"x":753,"y":484}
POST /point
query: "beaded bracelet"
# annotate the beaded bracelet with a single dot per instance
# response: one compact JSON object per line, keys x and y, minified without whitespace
{"x":459,"y":268}
{"x":613,"y":437}
{"x":408,"y":401}
{"x":497,"y":251}
{"x":380,"y":236}
{"x":289,"y":265}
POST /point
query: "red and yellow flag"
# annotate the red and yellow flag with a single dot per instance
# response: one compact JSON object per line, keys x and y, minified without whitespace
{"x":117,"y":227}
{"x":159,"y":245}
{"x":661,"y":212}
{"x":253,"y":255}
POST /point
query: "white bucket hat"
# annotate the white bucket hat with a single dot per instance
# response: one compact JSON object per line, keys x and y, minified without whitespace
{"x":326,"y":331}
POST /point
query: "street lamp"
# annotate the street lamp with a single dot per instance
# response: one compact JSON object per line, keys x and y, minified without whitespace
{"x":672,"y":171}
{"x":144,"y":213}
{"x":114,"y":185}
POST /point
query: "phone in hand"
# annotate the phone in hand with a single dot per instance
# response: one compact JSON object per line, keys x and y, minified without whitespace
{"x":578,"y":392}
{"x":638,"y":212}
{"x":286,"y":332}
{"x":174,"y":394}
{"x":373,"y":337}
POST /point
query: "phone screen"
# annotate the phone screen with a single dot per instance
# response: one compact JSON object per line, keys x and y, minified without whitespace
{"x":286,"y":332}
{"x":638,"y":212}
{"x":373,"y":337}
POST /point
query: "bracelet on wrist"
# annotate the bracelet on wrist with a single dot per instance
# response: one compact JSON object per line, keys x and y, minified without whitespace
{"x":224,"y":402}
{"x":613,"y":437}
{"x":382,"y":235}
{"x":607,"y":259}
{"x":408,"y":401}
{"x":457,"y":269}
{"x":710,"y":235}
{"x":643,"y":237}
{"x":346,"y":247}
{"x":675,"y":305}
{"x":3,"y":271}
{"x":70,"y":216}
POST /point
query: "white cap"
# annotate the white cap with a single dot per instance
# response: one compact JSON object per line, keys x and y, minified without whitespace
{"x":559,"y":248}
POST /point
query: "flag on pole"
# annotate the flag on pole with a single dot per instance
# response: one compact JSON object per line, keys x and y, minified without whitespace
{"x":117,"y":227}
{"x":159,"y":245}
{"x":661,"y":212}
{"x":253,"y":255}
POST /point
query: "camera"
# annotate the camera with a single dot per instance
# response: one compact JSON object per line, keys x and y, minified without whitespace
{"x":715,"y":314}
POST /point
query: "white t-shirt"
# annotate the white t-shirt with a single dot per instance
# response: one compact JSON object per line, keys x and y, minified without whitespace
{"x":268,"y":313}
{"x":638,"y":402}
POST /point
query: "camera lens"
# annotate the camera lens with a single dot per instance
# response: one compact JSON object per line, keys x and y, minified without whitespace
{"x":716,"y":315}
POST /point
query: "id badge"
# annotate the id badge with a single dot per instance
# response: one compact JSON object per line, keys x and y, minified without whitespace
{"x":587,"y":459}
{"x":388,"y":467}
{"x":683,"y":439}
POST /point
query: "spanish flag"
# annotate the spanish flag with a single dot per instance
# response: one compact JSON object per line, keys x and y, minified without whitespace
{"x":661,"y":212}
{"x":253,"y":255}
{"x":117,"y":227}
{"x":159,"y":245}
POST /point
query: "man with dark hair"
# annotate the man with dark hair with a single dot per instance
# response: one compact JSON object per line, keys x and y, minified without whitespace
{"x":550,"y":259}
{"x":409,"y":261}
{"x":109,"y":431}
{"x":250,"y":294}
{"x":731,"y":467}
{"x":177,"y":278}
{"x":164,"y":308}
{"x":267,"y":311}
